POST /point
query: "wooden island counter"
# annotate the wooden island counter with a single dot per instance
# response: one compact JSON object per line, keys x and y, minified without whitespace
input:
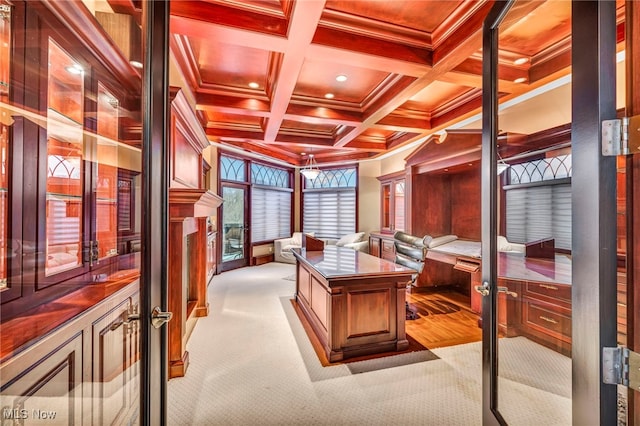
{"x":354,"y":302}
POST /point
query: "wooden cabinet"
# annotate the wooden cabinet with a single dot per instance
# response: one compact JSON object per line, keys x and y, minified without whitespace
{"x":392,"y":202}
{"x":374,"y":245}
{"x":546,"y":314}
{"x":85,"y":372}
{"x":63,"y":176}
{"x":382,"y":245}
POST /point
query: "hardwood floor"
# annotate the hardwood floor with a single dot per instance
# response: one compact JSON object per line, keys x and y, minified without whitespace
{"x":444,"y":319}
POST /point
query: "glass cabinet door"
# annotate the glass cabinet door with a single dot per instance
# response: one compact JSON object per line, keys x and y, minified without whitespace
{"x":66,"y":172}
{"x":385,"y":214}
{"x":106,"y":176}
{"x":398,"y":205}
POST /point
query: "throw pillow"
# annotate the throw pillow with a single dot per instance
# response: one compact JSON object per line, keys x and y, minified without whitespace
{"x":350,"y":238}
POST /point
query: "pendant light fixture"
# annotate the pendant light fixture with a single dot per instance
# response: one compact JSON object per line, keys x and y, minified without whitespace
{"x":310,"y":170}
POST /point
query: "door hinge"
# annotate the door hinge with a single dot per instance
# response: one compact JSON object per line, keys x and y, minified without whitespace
{"x":620,"y":366}
{"x":621,"y":136}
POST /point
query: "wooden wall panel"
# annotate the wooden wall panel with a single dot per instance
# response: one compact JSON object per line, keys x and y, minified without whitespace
{"x":465,"y":204}
{"x":319,"y":301}
{"x":187,"y":161}
{"x":304,"y":284}
{"x":369,"y":312}
{"x":431,"y":208}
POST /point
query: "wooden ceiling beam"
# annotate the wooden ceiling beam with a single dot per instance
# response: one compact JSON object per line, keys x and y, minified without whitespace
{"x":309,"y":140}
{"x":447,"y":61}
{"x":366,"y":146}
{"x":368,"y":52}
{"x":232,"y":104}
{"x":304,"y":20}
{"x":322,"y":115}
{"x":271,"y":151}
{"x":209,"y":21}
{"x":403,"y":124}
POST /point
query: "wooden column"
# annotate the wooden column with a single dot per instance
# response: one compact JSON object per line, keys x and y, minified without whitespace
{"x":187,"y":300}
{"x":198,"y":269}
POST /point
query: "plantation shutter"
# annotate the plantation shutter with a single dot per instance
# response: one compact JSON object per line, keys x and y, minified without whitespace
{"x":270,"y":213}
{"x":330,"y":213}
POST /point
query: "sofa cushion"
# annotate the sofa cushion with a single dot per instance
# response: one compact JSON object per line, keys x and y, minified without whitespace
{"x":350,"y":238}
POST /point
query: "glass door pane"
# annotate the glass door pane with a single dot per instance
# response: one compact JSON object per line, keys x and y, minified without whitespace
{"x":398,"y":201}
{"x":65,"y":155}
{"x":234,"y":229}
{"x":532,"y":205}
{"x":70,"y":217}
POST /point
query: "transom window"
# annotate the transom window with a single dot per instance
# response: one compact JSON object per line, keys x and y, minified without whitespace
{"x":232,"y":169}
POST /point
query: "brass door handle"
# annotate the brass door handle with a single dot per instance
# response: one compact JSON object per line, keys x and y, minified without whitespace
{"x":507,"y":291}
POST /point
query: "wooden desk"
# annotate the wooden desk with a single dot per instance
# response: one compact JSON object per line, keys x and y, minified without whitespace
{"x":538,"y":304}
{"x":541,"y":311}
{"x":354,"y":302}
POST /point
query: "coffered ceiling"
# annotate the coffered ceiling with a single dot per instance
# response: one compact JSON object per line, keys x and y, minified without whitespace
{"x":265,"y":74}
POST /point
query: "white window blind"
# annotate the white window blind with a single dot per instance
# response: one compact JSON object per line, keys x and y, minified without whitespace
{"x":270,"y":214}
{"x":330,"y":213}
{"x":538,"y":212}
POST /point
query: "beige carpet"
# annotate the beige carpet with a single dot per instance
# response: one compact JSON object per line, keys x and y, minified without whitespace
{"x":249,"y":367}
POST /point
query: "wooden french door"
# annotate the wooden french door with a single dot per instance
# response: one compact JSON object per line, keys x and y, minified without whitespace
{"x":524,"y":381}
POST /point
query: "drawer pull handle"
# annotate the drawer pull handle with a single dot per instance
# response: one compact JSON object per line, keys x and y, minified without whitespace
{"x":549,"y":287}
{"x":547,"y":319}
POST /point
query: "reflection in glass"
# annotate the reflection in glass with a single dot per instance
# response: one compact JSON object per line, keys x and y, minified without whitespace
{"x":107,"y":174}
{"x":398,"y":217}
{"x":65,"y":150}
{"x":534,"y":203}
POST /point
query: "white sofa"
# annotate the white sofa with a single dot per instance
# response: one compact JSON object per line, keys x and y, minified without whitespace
{"x":282,"y":247}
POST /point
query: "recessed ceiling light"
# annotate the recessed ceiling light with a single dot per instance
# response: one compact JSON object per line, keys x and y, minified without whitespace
{"x":521,"y":61}
{"x":136,"y":64}
{"x":520,"y":80}
{"x":341,"y":78}
{"x":329,"y":96}
{"x":254,"y":85}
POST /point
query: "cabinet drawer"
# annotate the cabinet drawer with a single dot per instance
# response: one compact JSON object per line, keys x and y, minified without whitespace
{"x":388,"y":251}
{"x":548,"y":319}
{"x":556,"y":291}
